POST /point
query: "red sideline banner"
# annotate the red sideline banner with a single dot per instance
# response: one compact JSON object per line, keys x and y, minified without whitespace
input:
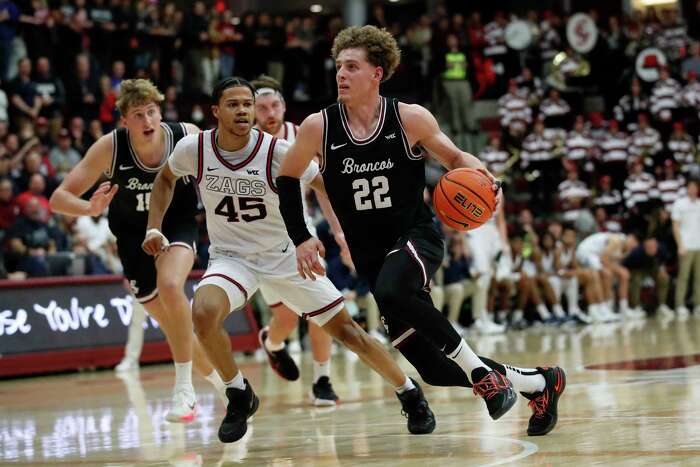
{"x":59,"y":324}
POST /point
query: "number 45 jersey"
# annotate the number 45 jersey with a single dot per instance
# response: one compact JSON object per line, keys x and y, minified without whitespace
{"x":375,"y":184}
{"x":237,"y":190}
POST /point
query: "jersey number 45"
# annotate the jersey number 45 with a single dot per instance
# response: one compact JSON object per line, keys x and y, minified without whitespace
{"x":250,"y":209}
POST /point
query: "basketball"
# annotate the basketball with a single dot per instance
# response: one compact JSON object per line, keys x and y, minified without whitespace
{"x":464,"y":199}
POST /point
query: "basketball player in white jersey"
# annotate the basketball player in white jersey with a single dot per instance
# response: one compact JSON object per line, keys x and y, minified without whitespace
{"x":235,"y":167}
{"x":491,"y":252}
{"x":269,"y":117}
{"x":602,"y":253}
{"x":130,"y":157}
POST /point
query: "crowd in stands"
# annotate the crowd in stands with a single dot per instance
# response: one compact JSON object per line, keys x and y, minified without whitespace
{"x":581,"y":140}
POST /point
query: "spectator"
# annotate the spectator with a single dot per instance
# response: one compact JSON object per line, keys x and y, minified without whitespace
{"x":532,"y":84}
{"x":671,"y":185}
{"x":79,"y":137}
{"x":614,"y":152}
{"x":540,"y":159}
{"x":681,"y":147}
{"x":31,"y":239}
{"x":580,"y":146}
{"x":690,"y":99}
{"x":640,"y":187}
{"x":457,"y":277}
{"x":83,"y":91}
{"x":8,"y":206}
{"x":686,"y":225}
{"x":572,"y":191}
{"x":647,"y":261}
{"x":4,"y":117}
{"x":223,"y":33}
{"x":102,"y":30}
{"x":458,"y":91}
{"x":555,"y":110}
{"x":9,"y":17}
{"x":170,"y":106}
{"x":608,"y":198}
{"x":26,"y":101}
{"x":195,"y":33}
{"x":646,"y":141}
{"x":631,"y":106}
{"x":495,"y":156}
{"x":118,"y":72}
{"x":664,"y":97}
{"x":515,"y":112}
{"x":36,"y":191}
{"x":63,"y":157}
{"x":94,"y":235}
{"x":692,"y":63}
{"x":50,"y":89}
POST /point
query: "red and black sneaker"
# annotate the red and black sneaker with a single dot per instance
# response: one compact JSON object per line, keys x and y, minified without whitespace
{"x":496,"y":389}
{"x":280,"y":360}
{"x":544,"y":404}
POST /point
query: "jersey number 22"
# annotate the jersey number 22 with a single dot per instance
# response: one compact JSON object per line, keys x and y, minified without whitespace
{"x":378,"y":187}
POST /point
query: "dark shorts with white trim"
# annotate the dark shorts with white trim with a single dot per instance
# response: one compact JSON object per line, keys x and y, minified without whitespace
{"x":425,"y":246}
{"x":139,"y":267}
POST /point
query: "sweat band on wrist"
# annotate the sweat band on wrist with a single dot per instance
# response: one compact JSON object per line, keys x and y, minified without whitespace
{"x":292,"y":208}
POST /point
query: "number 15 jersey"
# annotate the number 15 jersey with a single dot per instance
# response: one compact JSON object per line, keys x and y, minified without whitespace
{"x":237,"y":189}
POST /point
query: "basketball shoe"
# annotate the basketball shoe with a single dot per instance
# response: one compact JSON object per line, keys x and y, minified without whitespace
{"x":496,"y":390}
{"x":242,"y":404}
{"x":415,"y":408}
{"x":544,"y":404}
{"x":184,"y":406}
{"x":280,"y":360}
{"x":322,"y":393}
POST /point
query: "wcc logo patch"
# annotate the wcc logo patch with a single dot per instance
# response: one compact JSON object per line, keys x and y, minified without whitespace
{"x":253,"y":171}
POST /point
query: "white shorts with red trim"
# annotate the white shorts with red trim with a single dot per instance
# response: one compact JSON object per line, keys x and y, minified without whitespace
{"x":240,"y":277}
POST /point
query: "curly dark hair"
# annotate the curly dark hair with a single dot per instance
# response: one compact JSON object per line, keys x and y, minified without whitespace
{"x":381,"y":47}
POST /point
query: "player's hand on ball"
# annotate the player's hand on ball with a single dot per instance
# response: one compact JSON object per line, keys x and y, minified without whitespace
{"x":308,"y":263}
{"x":496,"y":187}
{"x":101,"y":198}
{"x":155,"y":242}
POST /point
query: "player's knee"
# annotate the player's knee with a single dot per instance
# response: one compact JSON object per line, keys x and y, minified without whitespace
{"x":205,"y":316}
{"x":169,"y":287}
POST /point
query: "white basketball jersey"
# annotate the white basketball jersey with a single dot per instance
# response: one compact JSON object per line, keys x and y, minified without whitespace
{"x":595,"y":244}
{"x":290,"y":132}
{"x":240,"y":199}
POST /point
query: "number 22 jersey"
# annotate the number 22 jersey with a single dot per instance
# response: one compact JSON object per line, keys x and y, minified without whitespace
{"x":237,"y":189}
{"x":375,"y":184}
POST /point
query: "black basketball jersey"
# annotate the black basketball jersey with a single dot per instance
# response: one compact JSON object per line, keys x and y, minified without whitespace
{"x":128,"y":212}
{"x":375,"y":185}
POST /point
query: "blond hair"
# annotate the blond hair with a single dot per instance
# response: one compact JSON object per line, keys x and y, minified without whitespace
{"x":135,"y":92}
{"x":264,"y":81}
{"x":380,"y":46}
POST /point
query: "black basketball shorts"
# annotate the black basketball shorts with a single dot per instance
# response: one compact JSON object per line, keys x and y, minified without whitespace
{"x":140,"y":268}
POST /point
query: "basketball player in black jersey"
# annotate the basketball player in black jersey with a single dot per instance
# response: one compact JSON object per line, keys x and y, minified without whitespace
{"x":130,"y":158}
{"x":372,"y":153}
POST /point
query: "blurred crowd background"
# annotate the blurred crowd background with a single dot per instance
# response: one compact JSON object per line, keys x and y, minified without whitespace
{"x":600,"y":136}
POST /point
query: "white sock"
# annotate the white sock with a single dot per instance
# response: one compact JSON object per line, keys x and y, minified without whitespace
{"x":237,"y":382}
{"x":215,"y":379}
{"x":322,"y":369}
{"x":558,"y":310}
{"x":272,"y":347}
{"x":527,"y":380}
{"x":610,"y":304}
{"x":407,"y":386}
{"x":183,"y":375}
{"x":543,"y":311}
{"x":624,"y":305}
{"x":467,"y":360}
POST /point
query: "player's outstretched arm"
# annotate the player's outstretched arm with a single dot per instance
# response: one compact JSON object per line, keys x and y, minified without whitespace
{"x":161,"y":196}
{"x":306,"y":146}
{"x":66,"y":199}
{"x":422,"y":129}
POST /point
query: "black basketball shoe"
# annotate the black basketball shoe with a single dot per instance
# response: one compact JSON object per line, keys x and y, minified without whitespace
{"x":415,"y":408}
{"x":242,"y":404}
{"x":322,"y":393}
{"x":544,"y":404}
{"x":280,"y":360}
{"x":496,"y":389}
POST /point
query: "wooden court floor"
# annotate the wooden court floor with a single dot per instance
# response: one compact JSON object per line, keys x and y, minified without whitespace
{"x":633,"y":398}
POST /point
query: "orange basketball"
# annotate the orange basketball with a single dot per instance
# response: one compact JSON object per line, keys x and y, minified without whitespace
{"x":464,"y":199}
